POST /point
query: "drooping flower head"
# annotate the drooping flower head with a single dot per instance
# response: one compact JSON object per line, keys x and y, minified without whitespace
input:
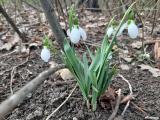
{"x":76,"y":34}
{"x":45,"y":54}
{"x":132,"y":29}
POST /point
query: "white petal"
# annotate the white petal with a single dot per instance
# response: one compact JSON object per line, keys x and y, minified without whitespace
{"x":110,"y":31}
{"x":132,"y":30}
{"x":83,"y":33}
{"x":75,"y":35}
{"x":110,"y":56}
{"x":45,"y":54}
{"x":68,"y":32}
{"x":122,"y":29}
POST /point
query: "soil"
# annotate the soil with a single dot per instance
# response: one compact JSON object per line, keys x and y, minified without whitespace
{"x":54,"y":90}
{"x":43,"y":101}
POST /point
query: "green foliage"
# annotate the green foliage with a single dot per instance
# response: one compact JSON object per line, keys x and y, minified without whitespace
{"x":47,"y":42}
{"x":73,"y":19}
{"x":94,"y":78}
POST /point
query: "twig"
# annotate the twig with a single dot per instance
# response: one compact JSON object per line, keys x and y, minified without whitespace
{"x":151,"y":118}
{"x":10,"y":103}
{"x":32,"y":6}
{"x":8,"y":53}
{"x":138,"y":108}
{"x":131,"y":93}
{"x":62,"y":103}
{"x":116,"y":107}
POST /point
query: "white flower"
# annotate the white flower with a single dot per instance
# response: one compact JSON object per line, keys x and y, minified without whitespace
{"x":110,"y":56}
{"x":122,"y":29}
{"x":132,"y":30}
{"x":45,"y":54}
{"x":110,"y":31}
{"x":68,"y":32}
{"x":76,"y":34}
{"x":83,"y":33}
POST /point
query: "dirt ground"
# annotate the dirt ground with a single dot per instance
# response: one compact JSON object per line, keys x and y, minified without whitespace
{"x":54,"y":90}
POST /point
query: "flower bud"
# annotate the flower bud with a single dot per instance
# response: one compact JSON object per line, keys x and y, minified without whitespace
{"x":75,"y":35}
{"x":132,"y":30}
{"x":110,"y":31}
{"x":45,"y":54}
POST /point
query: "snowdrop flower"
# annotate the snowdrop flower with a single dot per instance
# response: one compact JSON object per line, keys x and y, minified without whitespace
{"x":110,"y":31}
{"x":45,"y":54}
{"x":76,"y":34}
{"x":122,"y":29}
{"x":110,"y":56}
{"x":83,"y":33}
{"x":132,"y":30}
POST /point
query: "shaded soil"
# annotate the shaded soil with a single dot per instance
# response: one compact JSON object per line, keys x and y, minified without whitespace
{"x":54,"y":90}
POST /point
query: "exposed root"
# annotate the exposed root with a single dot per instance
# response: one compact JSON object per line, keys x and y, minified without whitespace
{"x":131,"y":93}
{"x":116,"y":107}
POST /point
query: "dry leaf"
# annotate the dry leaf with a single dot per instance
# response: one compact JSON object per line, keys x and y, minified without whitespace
{"x":124,"y":67}
{"x":127,"y":98}
{"x":155,"y":72}
{"x":65,"y":74}
{"x":11,"y":43}
{"x":137,"y":45}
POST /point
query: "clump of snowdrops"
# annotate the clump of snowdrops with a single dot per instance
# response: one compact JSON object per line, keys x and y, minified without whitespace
{"x":92,"y":77}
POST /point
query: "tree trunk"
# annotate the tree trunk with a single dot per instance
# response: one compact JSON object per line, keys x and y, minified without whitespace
{"x":52,"y":19}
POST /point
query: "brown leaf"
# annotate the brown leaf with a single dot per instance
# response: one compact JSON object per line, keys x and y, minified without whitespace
{"x":11,"y":42}
{"x":127,"y":98}
{"x":155,"y":72}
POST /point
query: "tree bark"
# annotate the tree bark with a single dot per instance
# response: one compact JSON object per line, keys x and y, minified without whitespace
{"x":52,"y":19}
{"x":10,"y":21}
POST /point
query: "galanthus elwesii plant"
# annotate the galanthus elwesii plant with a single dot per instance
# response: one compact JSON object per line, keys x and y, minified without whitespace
{"x":129,"y":24}
{"x":75,"y":32}
{"x":92,"y":77}
{"x":47,"y":47}
{"x":45,"y":54}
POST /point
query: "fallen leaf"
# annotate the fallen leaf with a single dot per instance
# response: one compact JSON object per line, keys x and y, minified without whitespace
{"x":128,"y":59}
{"x":65,"y":74}
{"x":127,"y":98}
{"x":137,"y":45}
{"x":155,"y":72}
{"x":124,"y":67}
{"x":11,"y":42}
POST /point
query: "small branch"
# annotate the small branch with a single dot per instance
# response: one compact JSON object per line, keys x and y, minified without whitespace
{"x":62,"y":103}
{"x":10,"y":21}
{"x":32,"y":6}
{"x":131,"y":93}
{"x":116,"y":107}
{"x":10,"y":103}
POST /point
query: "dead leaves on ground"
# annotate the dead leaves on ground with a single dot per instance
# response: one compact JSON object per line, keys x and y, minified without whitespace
{"x":155,"y":72}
